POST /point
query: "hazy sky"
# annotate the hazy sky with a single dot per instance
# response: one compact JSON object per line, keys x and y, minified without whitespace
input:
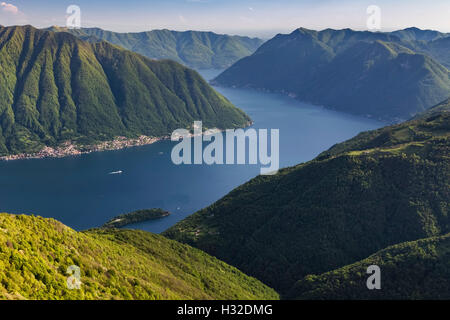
{"x":250,"y":17}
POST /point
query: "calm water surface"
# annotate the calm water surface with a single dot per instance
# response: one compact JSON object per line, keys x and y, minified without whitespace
{"x":79,"y":192}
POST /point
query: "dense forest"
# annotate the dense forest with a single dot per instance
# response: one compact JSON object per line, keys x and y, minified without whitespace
{"x":35,"y":254}
{"x":412,"y":270}
{"x":382,"y":188}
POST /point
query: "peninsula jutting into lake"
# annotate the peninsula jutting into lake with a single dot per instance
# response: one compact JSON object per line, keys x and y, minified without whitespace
{"x":136,"y":217}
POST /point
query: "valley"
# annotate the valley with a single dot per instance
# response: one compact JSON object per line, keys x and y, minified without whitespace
{"x":356,"y":176}
{"x":150,"y":176}
{"x":378,"y":189}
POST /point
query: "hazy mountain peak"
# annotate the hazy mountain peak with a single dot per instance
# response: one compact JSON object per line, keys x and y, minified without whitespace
{"x":198,"y":49}
{"x":342,"y":68}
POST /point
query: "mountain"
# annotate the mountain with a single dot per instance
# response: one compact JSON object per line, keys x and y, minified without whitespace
{"x":365,"y":73}
{"x":35,"y":254}
{"x":428,"y":124}
{"x":413,"y":34}
{"x":378,"y":189}
{"x":427,"y":260}
{"x":55,"y":87}
{"x":433,"y":43}
{"x":196,"y":49}
{"x":438,"y":110}
{"x":437,"y":49}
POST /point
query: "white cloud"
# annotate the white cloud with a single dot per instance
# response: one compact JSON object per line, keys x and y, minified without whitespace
{"x":10,"y":8}
{"x":11,"y":15}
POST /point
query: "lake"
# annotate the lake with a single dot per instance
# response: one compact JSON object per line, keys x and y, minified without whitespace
{"x":79,"y":192}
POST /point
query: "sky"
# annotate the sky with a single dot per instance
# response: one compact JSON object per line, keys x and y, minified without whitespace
{"x":263,"y":18}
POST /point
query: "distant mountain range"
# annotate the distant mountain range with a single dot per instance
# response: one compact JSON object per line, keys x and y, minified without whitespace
{"x":196,"y":49}
{"x":390,"y":76}
{"x":55,"y":87}
{"x":434,"y":43}
{"x":379,"y":189}
{"x":36,"y":254}
{"x":416,"y":34}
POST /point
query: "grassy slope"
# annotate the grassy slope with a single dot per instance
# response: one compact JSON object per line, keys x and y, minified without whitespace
{"x":411,"y":270}
{"x":425,"y":126}
{"x":201,"y":50}
{"x":378,"y":189}
{"x":115,"y":264}
{"x":55,"y":87}
{"x":359,"y":72}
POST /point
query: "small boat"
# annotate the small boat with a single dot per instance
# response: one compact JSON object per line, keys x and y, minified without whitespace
{"x":116,"y":172}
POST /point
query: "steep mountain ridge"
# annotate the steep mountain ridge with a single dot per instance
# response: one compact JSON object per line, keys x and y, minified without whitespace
{"x":416,"y":34}
{"x":409,"y":271}
{"x":55,"y":87}
{"x":196,"y":49}
{"x":381,"y":188}
{"x":35,"y":254}
{"x":372,"y":74}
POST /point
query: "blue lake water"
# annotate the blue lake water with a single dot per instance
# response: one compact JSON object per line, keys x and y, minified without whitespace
{"x":79,"y":192}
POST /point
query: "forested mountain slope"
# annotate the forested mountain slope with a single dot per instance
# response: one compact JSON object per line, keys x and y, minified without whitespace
{"x":412,"y":270}
{"x":114,"y":264}
{"x":55,"y":87}
{"x":381,"y":188}
{"x":365,"y":73}
{"x":196,"y":49}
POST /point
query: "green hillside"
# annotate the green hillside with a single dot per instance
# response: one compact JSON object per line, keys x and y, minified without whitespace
{"x":381,"y":188}
{"x":438,"y":49}
{"x":364,"y":73}
{"x":55,"y":87}
{"x":427,"y":125}
{"x":416,"y":34}
{"x":196,"y":49}
{"x":412,"y":270}
{"x":115,"y":264}
{"x":433,"y":43}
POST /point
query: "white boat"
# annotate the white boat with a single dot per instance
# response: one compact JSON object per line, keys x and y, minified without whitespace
{"x":116,"y":172}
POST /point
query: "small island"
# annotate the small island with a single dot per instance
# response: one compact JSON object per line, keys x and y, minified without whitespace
{"x":135,"y":217}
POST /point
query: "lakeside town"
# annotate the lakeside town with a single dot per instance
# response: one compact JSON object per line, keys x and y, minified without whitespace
{"x":70,"y":149}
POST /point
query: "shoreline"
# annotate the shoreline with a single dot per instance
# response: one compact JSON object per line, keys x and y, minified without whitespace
{"x":387,"y":121}
{"x":135,"y":217}
{"x":68,"y":148}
